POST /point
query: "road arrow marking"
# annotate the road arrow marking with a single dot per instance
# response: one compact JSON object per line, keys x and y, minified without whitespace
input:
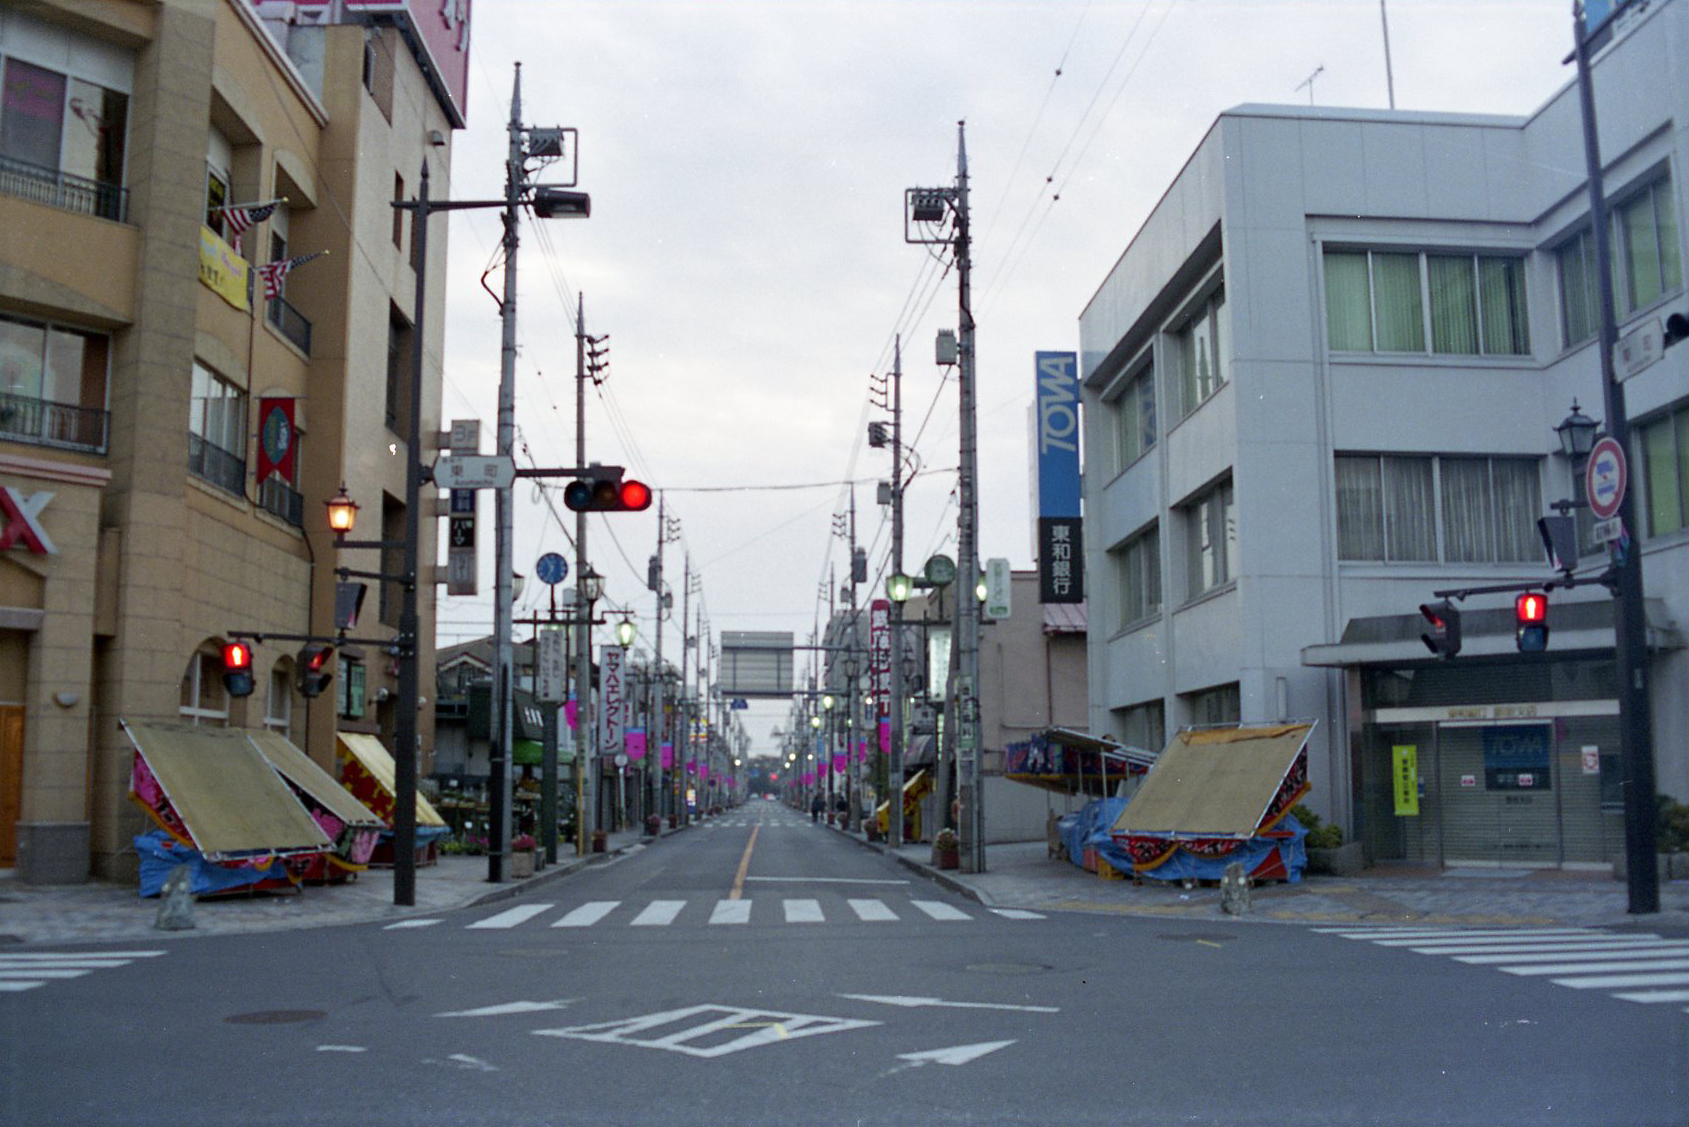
{"x":960,"y":1054}
{"x":910,"y":1003}
{"x":505,"y":1008}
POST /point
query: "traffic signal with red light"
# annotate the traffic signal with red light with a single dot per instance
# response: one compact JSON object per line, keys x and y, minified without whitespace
{"x":237,"y":669}
{"x":602,"y":490}
{"x":314,"y":670}
{"x":1530,"y":622}
{"x":1442,"y":636}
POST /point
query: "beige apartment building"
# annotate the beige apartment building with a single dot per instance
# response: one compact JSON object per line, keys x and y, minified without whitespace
{"x":138,"y":347}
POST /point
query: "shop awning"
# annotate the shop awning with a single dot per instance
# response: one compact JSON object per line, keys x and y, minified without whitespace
{"x":1220,"y":782}
{"x":1061,"y":759}
{"x":214,"y":783}
{"x":302,"y":771}
{"x":368,"y":771}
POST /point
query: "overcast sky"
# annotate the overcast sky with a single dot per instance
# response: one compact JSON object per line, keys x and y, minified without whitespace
{"x":747,"y":162}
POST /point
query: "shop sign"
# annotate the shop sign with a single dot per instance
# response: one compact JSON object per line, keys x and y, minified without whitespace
{"x":1591,"y":760}
{"x":612,"y":697}
{"x":223,"y":271}
{"x":1404,"y":759}
{"x":1468,"y":780}
{"x":22,"y":522}
{"x":879,"y":655}
{"x":1516,"y":757}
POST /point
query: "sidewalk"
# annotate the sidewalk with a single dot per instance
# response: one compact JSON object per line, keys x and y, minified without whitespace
{"x":101,"y":912}
{"x":1023,"y":875}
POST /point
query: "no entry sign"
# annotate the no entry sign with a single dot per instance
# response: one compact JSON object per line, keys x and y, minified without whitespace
{"x":1604,"y":478}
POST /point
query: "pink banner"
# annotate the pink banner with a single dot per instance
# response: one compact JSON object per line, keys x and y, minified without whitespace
{"x":840,"y":761}
{"x":570,"y":712}
{"x":704,"y":771}
{"x":885,"y":737}
{"x":665,"y":755}
{"x":636,"y":744}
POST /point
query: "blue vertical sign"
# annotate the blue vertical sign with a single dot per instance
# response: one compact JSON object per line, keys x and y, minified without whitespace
{"x":1061,"y":568}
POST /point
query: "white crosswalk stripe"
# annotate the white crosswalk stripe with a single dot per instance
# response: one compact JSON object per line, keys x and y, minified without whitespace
{"x":1577,"y":958}
{"x":746,"y":911}
{"x":26,"y":970}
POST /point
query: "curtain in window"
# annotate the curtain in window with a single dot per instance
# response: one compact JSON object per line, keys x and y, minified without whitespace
{"x":1360,"y":509}
{"x":1501,"y":297}
{"x":1396,"y":302}
{"x":1348,"y":303}
{"x":1665,"y":217}
{"x":1468,"y":524}
{"x":1577,"y":288}
{"x":1217,"y":320}
{"x":1518,"y":503}
{"x":1145,"y":385}
{"x":1410,"y":509}
{"x":1640,"y":236}
{"x":1665,"y":471}
{"x":21,"y":358}
{"x":1454,"y":304}
{"x":32,"y":114}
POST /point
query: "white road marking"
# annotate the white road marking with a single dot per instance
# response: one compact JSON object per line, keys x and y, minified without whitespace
{"x":873,"y":911}
{"x":476,"y":1063}
{"x":1447,"y":939}
{"x":17,"y":987}
{"x":658,"y":913}
{"x":731,"y":912}
{"x":341,"y":1049}
{"x":1018,"y":914}
{"x":42,"y":972}
{"x":411,"y":923}
{"x":48,"y":956}
{"x":827,"y":880}
{"x":910,"y":1002}
{"x":1657,"y":996}
{"x":1614,"y":981}
{"x":803,"y":911}
{"x":765,"y":1027}
{"x":510,"y":917}
{"x":959,"y":1054}
{"x":1602,"y":968}
{"x":939,"y":910}
{"x":85,"y":964}
{"x":506,"y":1008}
{"x":587,"y":914}
{"x":1379,"y":935}
{"x":1530,"y":948}
{"x":1657,"y":950}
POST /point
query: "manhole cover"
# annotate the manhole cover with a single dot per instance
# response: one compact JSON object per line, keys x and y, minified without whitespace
{"x":275,"y":1017}
{"x":1010,"y":968}
{"x":1198,"y":937}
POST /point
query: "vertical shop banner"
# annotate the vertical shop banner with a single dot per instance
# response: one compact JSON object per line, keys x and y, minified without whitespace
{"x":879,"y":666}
{"x":1404,"y":763}
{"x":276,"y":438}
{"x":612,"y":699}
{"x":665,"y":755}
{"x":1061,"y":569}
{"x":636,"y":744}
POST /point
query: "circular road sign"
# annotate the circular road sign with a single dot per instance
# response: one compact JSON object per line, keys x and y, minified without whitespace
{"x":941,"y":570}
{"x":551,"y":568}
{"x":1605,"y":479}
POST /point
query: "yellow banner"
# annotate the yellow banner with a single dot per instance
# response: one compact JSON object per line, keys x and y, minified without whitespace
{"x":1405,"y":761}
{"x":221,"y":269}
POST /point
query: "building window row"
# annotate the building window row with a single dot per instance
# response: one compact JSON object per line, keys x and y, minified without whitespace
{"x":217,"y":430}
{"x":1135,"y":418}
{"x":1139,"y":567}
{"x":1210,"y":540}
{"x":1202,"y":343}
{"x":53,"y":384}
{"x":1645,"y":262}
{"x":1414,"y":509}
{"x":62,"y":139}
{"x":1395,"y":301}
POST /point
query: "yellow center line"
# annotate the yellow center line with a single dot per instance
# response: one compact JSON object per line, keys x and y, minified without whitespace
{"x":738,"y":892}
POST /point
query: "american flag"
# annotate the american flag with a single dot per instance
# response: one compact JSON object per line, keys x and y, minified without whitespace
{"x":241,"y":217}
{"x":275,"y":273}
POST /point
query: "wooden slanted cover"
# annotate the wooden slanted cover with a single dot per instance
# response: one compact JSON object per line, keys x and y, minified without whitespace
{"x":223,"y":792}
{"x":1220,"y":782}
{"x":368,"y":771}
{"x":302,"y":771}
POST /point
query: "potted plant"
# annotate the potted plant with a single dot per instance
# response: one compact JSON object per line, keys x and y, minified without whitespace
{"x":653,"y":824}
{"x":522,"y":856}
{"x":948,"y":849}
{"x":1327,"y":852}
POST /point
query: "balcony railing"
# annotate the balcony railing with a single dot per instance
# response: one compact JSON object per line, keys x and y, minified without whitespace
{"x":26,"y":419}
{"x":216,"y":465}
{"x":277,"y":499}
{"x":61,"y":189}
{"x":290,"y":323}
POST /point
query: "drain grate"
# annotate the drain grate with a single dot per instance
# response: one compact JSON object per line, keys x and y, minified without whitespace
{"x":275,"y":1017}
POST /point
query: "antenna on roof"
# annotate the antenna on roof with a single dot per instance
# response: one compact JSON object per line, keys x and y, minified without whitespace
{"x":1309,"y":82}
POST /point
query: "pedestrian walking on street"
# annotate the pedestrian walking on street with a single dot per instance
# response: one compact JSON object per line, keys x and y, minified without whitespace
{"x":816,"y":805}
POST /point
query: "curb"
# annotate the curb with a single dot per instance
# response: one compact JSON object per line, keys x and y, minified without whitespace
{"x":937,"y":876}
{"x":556,"y":872}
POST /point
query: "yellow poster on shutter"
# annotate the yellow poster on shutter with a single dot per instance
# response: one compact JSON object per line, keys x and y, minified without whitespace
{"x":222,"y":270}
{"x":1404,"y":759}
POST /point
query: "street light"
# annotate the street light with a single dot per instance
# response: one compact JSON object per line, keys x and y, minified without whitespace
{"x":342,"y":512}
{"x":625,"y":632}
{"x":898,"y":588}
{"x":1577,"y":434}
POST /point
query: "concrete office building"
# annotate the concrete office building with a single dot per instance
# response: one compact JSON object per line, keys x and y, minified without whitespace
{"x":137,"y":345}
{"x":1322,"y":382}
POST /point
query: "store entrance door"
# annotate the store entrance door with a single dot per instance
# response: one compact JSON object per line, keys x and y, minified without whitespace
{"x":1498,"y":787}
{"x":11,"y":781}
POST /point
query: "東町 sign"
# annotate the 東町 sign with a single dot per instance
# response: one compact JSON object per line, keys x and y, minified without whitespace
{"x":1604,"y":478}
{"x":474,"y":471}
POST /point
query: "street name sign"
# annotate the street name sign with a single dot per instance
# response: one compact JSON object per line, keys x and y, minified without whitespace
{"x":1639,"y":348}
{"x":474,"y":471}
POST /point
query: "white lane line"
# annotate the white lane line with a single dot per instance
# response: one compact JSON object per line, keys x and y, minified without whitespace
{"x":41,"y":972}
{"x":411,"y":923}
{"x":908,"y":1001}
{"x":510,"y":917}
{"x":1018,"y":914}
{"x":26,"y":956}
{"x":1622,"y":981}
{"x":658,"y":913}
{"x":939,"y":910}
{"x":1661,"y":950}
{"x":86,"y":964}
{"x":587,"y":914}
{"x":341,"y":1049}
{"x":873,"y":911}
{"x":1603,"y":968}
{"x":731,"y":912}
{"x":826,"y":880}
{"x":803,"y":911}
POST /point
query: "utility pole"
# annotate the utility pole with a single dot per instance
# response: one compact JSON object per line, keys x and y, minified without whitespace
{"x":498,"y":782}
{"x":972,"y":830}
{"x":894,"y":766}
{"x":654,"y":755}
{"x":586,"y":732}
{"x":853,"y":765}
{"x":683,"y":725}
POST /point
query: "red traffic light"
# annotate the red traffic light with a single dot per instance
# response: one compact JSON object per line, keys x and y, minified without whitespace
{"x":635,"y":495}
{"x":602,"y":490}
{"x":1530,"y":617}
{"x":237,"y":656}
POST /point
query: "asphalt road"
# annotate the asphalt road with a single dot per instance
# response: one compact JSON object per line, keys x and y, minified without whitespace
{"x":761,"y":970}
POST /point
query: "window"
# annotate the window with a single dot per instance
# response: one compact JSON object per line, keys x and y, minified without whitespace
{"x":1135,"y":411}
{"x":217,"y":430}
{"x":219,"y":159}
{"x":52,"y":384}
{"x":1143,"y":725}
{"x":1202,"y":354}
{"x":349,"y":689}
{"x":1404,"y":509}
{"x":278,"y":705}
{"x":1665,"y":472}
{"x":1139,"y":561}
{"x":1464,"y":304}
{"x":1645,"y":262}
{"x":1219,"y":705}
{"x":203,"y":700}
{"x":398,"y":371}
{"x":1210,"y":540}
{"x":398,"y":213}
{"x":62,"y":140}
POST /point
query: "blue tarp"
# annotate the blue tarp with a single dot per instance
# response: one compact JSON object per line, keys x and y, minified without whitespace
{"x":1182,"y":865}
{"x":160,"y":854}
{"x":1089,"y":827}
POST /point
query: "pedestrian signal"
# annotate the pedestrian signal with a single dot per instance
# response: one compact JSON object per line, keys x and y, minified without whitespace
{"x":237,"y":669}
{"x":314,"y":670}
{"x":1443,"y":634}
{"x":1530,"y":621}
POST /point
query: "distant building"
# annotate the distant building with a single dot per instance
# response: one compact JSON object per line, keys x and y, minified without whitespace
{"x":1322,"y":382}
{"x":146,"y":375}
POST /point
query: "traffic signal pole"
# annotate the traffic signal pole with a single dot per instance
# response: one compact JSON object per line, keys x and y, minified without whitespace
{"x":970,"y":783}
